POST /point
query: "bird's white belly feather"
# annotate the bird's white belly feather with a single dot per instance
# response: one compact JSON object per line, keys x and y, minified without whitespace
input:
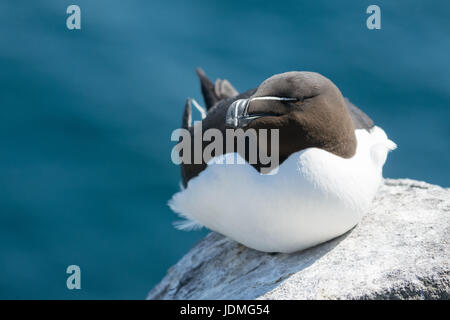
{"x":313,"y":197}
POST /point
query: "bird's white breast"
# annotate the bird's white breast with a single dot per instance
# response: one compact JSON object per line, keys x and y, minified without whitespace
{"x":313,"y":197}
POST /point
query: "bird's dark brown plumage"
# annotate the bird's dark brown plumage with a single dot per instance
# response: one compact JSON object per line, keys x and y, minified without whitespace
{"x":321,"y":118}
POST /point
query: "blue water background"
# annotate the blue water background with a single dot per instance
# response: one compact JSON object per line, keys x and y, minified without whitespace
{"x":86,"y":117}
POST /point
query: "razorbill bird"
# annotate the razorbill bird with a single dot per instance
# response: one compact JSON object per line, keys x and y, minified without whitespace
{"x":331,"y":157}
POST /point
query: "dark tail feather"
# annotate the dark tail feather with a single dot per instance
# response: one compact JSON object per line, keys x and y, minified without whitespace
{"x":214,"y":92}
{"x":209,"y":96}
{"x":186,"y":123}
{"x":224,"y":89}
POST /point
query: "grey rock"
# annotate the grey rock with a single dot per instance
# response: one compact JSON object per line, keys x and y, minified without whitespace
{"x":400,"y":250}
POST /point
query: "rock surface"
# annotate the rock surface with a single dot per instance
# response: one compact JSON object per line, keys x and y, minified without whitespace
{"x":400,"y":250}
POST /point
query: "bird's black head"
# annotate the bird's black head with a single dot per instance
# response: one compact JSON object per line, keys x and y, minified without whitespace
{"x":307,"y":108}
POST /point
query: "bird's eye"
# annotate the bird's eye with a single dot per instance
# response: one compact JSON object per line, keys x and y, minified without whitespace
{"x":300,"y":100}
{"x":309,"y":97}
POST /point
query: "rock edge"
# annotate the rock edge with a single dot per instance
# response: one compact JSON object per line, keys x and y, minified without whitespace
{"x":399,"y":250}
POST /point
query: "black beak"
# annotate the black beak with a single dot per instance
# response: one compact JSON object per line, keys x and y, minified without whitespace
{"x":239,"y":116}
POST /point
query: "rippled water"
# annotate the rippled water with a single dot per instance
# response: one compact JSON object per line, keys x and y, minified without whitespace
{"x":86,"y":117}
